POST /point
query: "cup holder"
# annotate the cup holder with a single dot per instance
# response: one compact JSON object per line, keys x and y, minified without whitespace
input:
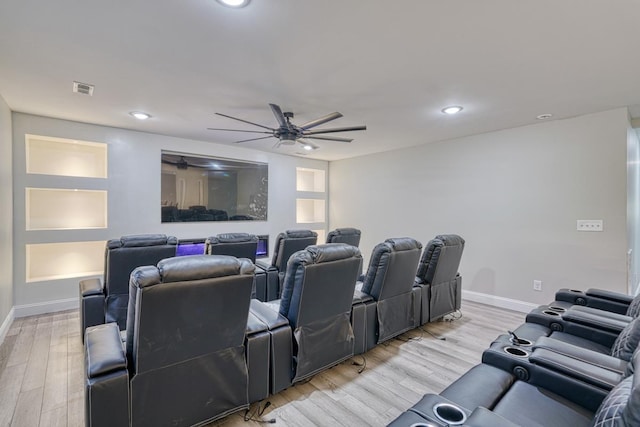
{"x":521,"y":341}
{"x":556,"y":308}
{"x":517,"y":352}
{"x":449,"y":414}
{"x":423,"y":425}
{"x":551,"y":313}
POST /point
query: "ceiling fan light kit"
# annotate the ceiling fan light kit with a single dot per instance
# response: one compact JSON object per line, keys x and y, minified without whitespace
{"x":234,"y":3}
{"x":288,"y":133}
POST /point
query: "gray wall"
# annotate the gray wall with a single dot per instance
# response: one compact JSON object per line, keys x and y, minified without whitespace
{"x":633,"y":208}
{"x":133,"y":196}
{"x":514,"y":195}
{"x":6,"y":214}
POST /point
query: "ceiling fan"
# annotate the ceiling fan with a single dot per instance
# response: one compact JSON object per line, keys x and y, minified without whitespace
{"x":288,"y":134}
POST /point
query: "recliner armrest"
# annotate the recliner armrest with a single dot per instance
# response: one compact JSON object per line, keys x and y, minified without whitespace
{"x":586,"y":318}
{"x":585,"y":372}
{"x":266,"y":266}
{"x":103,"y":350}
{"x":360,"y":297}
{"x":610,"y":295}
{"x":602,"y":313}
{"x":91,"y":287}
{"x":594,"y":358}
{"x":482,"y":417}
{"x":265,"y":314}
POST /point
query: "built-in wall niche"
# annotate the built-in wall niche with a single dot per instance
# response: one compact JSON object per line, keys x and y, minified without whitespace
{"x":310,"y":211}
{"x":52,"y":261}
{"x":65,"y":209}
{"x":67,"y":157}
{"x":310,"y":180}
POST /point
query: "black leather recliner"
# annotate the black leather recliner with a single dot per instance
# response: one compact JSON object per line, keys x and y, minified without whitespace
{"x":240,"y":245}
{"x":107,"y":301}
{"x":487,"y":396}
{"x":350,"y":236}
{"x":386,"y":303}
{"x":286,"y":244}
{"x":600,"y":299}
{"x":316,"y":299}
{"x":184,"y":362}
{"x":438,"y":278}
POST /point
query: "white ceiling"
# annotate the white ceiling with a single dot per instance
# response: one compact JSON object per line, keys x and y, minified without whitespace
{"x":392,"y":65}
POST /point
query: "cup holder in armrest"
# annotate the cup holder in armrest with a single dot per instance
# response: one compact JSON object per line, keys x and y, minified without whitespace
{"x":556,"y":308}
{"x":517,"y":352}
{"x":423,"y":425}
{"x":521,"y":341}
{"x":551,"y":313}
{"x":449,"y":414}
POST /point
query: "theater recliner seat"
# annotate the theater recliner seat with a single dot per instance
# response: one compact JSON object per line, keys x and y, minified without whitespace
{"x":286,"y":244}
{"x":316,"y":299}
{"x":107,"y":301}
{"x":350,"y":236}
{"x":184,"y":362}
{"x":386,"y":303}
{"x":239,"y":245}
{"x":438,"y":278}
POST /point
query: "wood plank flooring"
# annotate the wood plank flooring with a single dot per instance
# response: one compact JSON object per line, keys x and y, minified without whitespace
{"x":41,"y":373}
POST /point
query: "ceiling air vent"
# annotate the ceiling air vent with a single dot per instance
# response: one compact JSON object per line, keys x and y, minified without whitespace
{"x":83,"y":88}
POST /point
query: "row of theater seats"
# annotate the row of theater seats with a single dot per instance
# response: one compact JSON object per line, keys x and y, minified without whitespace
{"x":198,"y":347}
{"x":199,"y":213}
{"x":571,"y":364}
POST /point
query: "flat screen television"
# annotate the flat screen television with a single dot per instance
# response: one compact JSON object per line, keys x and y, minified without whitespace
{"x":200,"y":188}
{"x":197,"y":246}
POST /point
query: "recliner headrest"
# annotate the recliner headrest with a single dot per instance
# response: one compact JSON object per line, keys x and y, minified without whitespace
{"x":332,"y":252}
{"x":232,"y":238}
{"x":450,"y":239}
{"x":142,"y":240}
{"x":194,"y":267}
{"x":404,"y":243}
{"x":297,"y":234}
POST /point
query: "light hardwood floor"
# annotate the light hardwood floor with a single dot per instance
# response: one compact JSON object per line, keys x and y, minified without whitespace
{"x":41,"y":373}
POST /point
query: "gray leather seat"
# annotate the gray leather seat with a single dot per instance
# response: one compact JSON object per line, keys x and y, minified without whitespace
{"x":240,"y":245}
{"x":438,"y":278}
{"x":286,"y":244}
{"x":316,"y":299}
{"x":385,"y":303}
{"x":350,"y":236}
{"x":184,"y":362}
{"x":599,"y":299}
{"x":107,"y":301}
{"x":487,"y":396}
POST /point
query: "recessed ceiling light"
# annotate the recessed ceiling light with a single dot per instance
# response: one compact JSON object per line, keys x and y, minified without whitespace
{"x":140,"y":115}
{"x":453,"y":109}
{"x":544,"y":116}
{"x":234,"y":3}
{"x":307,"y":147}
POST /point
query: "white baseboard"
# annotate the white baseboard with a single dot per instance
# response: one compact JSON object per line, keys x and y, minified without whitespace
{"x":502,"y":302}
{"x":6,"y":324}
{"x":46,"y":307}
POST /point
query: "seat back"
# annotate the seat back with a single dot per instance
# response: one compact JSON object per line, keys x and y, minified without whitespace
{"x":392,"y":268}
{"x":621,"y":407}
{"x":185,"y":338}
{"x":122,"y":256}
{"x":627,"y":341}
{"x":441,"y":259}
{"x":634,"y":307}
{"x":350,"y":236}
{"x":389,"y":280}
{"x":288,"y":243}
{"x":316,"y":298}
{"x":239,"y":245}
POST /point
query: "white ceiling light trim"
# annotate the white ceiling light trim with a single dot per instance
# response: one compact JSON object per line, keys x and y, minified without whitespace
{"x":544,"y":116}
{"x":452,"y":109}
{"x":234,"y":3}
{"x":140,"y":115}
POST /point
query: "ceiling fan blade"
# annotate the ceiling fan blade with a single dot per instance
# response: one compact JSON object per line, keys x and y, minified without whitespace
{"x":330,"y":138}
{"x":321,"y":120}
{"x":282,"y":121}
{"x":332,"y":130}
{"x":240,"y":130}
{"x":244,"y":121}
{"x":253,"y":139}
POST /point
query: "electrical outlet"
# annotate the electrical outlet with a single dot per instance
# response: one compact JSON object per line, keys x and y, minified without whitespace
{"x":589,"y":225}
{"x":537,"y":285}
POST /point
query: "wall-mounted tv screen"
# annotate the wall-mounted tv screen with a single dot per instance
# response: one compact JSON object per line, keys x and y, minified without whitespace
{"x":200,"y":188}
